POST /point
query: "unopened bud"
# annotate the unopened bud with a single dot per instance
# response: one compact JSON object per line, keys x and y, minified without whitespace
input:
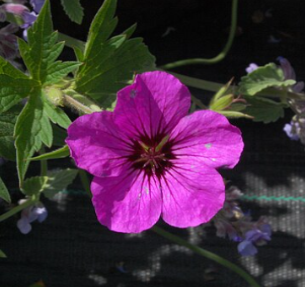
{"x":55,"y":96}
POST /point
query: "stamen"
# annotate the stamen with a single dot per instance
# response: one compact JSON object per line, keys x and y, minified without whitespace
{"x":162,"y":143}
{"x":144,"y":146}
{"x":153,"y":154}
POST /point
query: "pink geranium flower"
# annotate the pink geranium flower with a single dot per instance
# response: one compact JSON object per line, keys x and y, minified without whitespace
{"x":150,"y":158}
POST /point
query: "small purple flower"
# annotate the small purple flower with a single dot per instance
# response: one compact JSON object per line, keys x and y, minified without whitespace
{"x":289,"y":73}
{"x":8,"y":42}
{"x":150,"y":158}
{"x":29,"y":18}
{"x":225,"y":228}
{"x":292,"y":130}
{"x":252,"y":67}
{"x":257,"y":236}
{"x":29,"y":215}
{"x":16,"y":9}
{"x":37,"y":5}
{"x":15,"y":1}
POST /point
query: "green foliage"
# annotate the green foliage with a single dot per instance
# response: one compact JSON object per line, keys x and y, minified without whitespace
{"x":34,"y":185}
{"x":2,"y":254}
{"x":4,"y":194}
{"x":12,"y":90}
{"x":55,"y":181}
{"x":235,"y":114}
{"x":109,"y":64}
{"x":9,"y":70}
{"x":59,"y":136}
{"x":30,"y":132}
{"x":74,"y":10}
{"x":102,"y":22}
{"x":7,"y":123}
{"x":42,"y":49}
{"x":264,"y":110}
{"x":262,"y":78}
{"x":222,"y":103}
{"x":59,"y":180}
{"x":59,"y":70}
{"x":55,"y":114}
{"x":33,"y":127}
{"x":58,"y":153}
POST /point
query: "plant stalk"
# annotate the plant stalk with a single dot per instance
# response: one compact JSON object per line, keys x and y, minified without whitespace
{"x":18,"y":208}
{"x":207,"y":254}
{"x":221,"y":55}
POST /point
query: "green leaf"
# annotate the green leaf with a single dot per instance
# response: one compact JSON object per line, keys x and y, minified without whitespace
{"x":234,"y":115}
{"x":34,"y":185}
{"x":7,"y":123}
{"x":56,"y":115}
{"x":109,"y":65}
{"x":221,"y":92}
{"x":101,"y":27}
{"x":2,"y":254}
{"x":74,"y":10}
{"x":264,"y":110}
{"x":13,"y":90}
{"x":46,"y":133}
{"x":262,"y":78}
{"x":4,"y":194}
{"x":221,"y":103}
{"x":55,"y":154}
{"x":28,"y":132}
{"x":59,"y":180}
{"x":59,"y":70}
{"x":78,"y":54}
{"x":8,"y":69}
{"x":42,"y":49}
{"x":113,"y":68}
{"x":59,"y":136}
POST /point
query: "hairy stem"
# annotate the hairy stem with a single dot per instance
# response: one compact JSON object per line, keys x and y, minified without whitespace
{"x":207,"y":254}
{"x":83,"y":105}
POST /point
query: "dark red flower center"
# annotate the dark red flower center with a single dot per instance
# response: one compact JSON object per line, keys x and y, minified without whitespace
{"x":153,"y":155}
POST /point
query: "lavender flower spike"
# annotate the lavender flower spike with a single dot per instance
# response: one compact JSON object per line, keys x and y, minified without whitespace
{"x":258,"y":236}
{"x":37,"y":5}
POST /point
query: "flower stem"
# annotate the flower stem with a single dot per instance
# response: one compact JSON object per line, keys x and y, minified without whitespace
{"x":221,"y":55}
{"x":81,"y":103}
{"x":198,"y":83}
{"x":43,"y":165}
{"x":207,"y":254}
{"x":18,"y":208}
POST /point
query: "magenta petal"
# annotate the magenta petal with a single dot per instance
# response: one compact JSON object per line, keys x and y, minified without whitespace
{"x":192,"y":194}
{"x":208,"y":136}
{"x":154,"y":104}
{"x":97,"y":145}
{"x":129,"y":203}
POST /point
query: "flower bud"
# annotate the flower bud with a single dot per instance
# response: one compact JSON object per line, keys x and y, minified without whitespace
{"x":55,"y":96}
